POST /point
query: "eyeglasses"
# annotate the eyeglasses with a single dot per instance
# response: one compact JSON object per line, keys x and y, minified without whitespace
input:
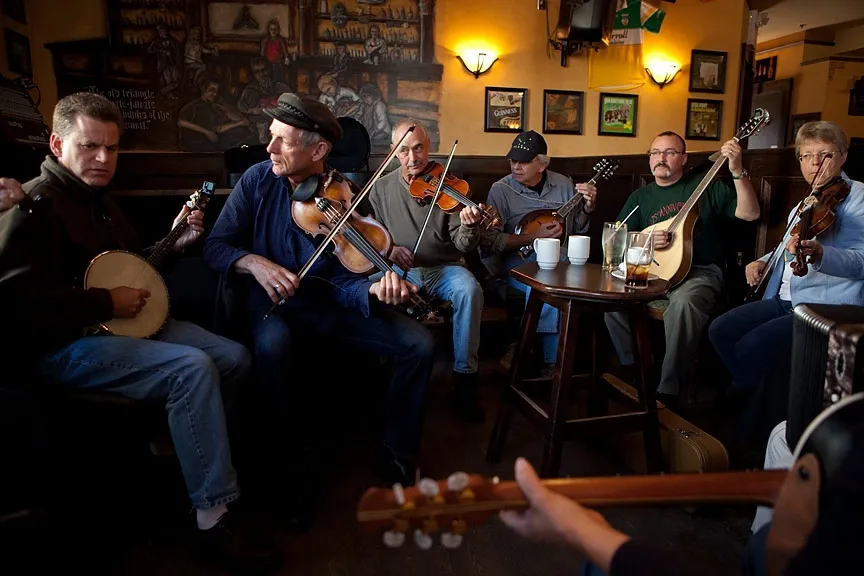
{"x":670,"y":153}
{"x":810,"y":157}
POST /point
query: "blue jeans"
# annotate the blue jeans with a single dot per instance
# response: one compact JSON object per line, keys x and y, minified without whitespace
{"x":454,"y":283}
{"x":385,"y":332}
{"x":547,"y":326}
{"x":754,"y":339}
{"x":188,"y":368}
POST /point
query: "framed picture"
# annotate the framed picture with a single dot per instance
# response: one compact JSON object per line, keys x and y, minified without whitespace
{"x":563,"y":111}
{"x":18,"y":53}
{"x":506,"y":109}
{"x":704,"y":119}
{"x":618,"y":113}
{"x":14,"y":9}
{"x":766,"y":70}
{"x":708,"y":71}
{"x":799,"y":120}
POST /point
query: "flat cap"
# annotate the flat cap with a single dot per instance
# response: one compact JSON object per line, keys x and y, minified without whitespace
{"x":307,"y":114}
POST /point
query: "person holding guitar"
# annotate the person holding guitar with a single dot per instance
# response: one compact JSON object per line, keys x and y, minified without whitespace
{"x":755,"y":340}
{"x":257,"y":238}
{"x":438,"y":263}
{"x":691,"y":302}
{"x":531,"y":186}
{"x":47,"y":243}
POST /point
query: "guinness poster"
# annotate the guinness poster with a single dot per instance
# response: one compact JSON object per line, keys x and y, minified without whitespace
{"x":505,"y":109}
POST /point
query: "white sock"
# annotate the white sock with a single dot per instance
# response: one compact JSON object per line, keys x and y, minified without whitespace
{"x":208,"y":518}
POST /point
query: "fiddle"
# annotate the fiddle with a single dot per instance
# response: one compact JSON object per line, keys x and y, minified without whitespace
{"x":363,"y":244}
{"x":818,"y":214}
{"x":455,"y":193}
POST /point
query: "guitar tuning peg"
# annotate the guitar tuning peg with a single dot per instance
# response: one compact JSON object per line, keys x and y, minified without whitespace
{"x":393,"y":539}
{"x":424,"y":541}
{"x":451,"y":541}
{"x":458,"y":481}
{"x":399,"y":494}
{"x":428,"y":487}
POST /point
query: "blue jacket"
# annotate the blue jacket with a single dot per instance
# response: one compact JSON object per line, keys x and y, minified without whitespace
{"x":842,"y":267}
{"x":257,"y":219}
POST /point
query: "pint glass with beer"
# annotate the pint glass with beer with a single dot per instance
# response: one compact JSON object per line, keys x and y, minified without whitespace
{"x":640,"y":254}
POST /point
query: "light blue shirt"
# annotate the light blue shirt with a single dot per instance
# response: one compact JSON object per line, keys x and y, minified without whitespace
{"x":841,"y":270}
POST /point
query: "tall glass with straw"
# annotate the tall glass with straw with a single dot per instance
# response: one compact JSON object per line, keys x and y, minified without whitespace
{"x":640,"y":254}
{"x":614,"y":242}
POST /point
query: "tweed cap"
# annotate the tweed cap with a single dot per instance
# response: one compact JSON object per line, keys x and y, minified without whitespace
{"x":307,"y":114}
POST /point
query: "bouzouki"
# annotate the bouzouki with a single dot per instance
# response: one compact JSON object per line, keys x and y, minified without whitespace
{"x":532,"y":221}
{"x":451,"y":506}
{"x":116,"y":268}
{"x":673,"y":262}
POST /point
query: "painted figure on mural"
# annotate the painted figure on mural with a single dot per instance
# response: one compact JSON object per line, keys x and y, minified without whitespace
{"x":194,"y":51}
{"x":167,"y":51}
{"x":374,"y":117}
{"x":376,"y":48}
{"x":342,"y":100}
{"x":262,"y":92}
{"x":341,"y":63}
{"x":275,"y":49}
{"x":209,"y":124}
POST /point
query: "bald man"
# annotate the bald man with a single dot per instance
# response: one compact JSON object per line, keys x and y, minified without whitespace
{"x":438,"y":265}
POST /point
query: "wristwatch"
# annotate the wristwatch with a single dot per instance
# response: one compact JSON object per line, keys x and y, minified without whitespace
{"x":743,"y":174}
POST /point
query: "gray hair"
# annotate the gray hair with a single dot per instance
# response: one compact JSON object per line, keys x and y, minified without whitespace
{"x":822,"y":130}
{"x":544,"y":160}
{"x":402,"y":124}
{"x":307,"y":138}
{"x":86,"y":104}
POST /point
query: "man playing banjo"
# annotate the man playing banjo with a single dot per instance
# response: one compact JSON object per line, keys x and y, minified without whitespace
{"x":47,"y":243}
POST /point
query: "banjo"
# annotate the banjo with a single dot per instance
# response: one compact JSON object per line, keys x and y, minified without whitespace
{"x":116,"y":268}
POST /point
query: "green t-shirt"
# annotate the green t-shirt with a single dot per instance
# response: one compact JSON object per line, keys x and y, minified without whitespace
{"x":659,"y":203}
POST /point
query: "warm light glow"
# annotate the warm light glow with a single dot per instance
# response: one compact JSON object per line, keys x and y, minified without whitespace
{"x":662,"y":72}
{"x":477,"y":60}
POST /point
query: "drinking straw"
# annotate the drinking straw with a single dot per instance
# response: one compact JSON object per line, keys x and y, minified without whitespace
{"x":621,"y":224}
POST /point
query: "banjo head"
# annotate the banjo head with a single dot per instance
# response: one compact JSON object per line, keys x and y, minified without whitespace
{"x":118,"y":268}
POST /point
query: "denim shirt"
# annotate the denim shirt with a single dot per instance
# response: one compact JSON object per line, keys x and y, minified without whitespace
{"x":841,"y":269}
{"x":257,"y":219}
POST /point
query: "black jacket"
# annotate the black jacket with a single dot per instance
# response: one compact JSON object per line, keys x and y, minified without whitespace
{"x":46,"y":244}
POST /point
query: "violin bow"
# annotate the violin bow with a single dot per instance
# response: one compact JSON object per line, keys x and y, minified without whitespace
{"x":344,"y":217}
{"x":432,"y":205}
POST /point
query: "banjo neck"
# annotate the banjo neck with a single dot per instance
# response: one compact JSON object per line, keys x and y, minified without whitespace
{"x":696,"y":195}
{"x":197,"y":201}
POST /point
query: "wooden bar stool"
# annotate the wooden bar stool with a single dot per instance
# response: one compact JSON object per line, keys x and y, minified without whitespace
{"x":576,"y":290}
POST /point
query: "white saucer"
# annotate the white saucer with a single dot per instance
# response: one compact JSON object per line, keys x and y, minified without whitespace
{"x":620,"y":275}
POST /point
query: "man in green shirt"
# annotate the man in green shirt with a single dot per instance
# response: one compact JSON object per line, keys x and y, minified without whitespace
{"x":691,"y":302}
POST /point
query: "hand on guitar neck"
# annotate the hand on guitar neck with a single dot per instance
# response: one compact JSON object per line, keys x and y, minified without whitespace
{"x":195,"y":221}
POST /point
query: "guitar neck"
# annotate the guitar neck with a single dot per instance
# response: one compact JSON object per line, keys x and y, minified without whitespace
{"x":756,"y":487}
{"x":697,"y":194}
{"x":574,"y":202}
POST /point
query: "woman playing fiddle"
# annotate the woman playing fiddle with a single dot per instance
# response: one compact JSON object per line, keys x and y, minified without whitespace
{"x":257,"y":238}
{"x":755,"y":340}
{"x":437,"y":266}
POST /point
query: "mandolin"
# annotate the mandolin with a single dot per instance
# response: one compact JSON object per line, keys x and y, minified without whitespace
{"x":116,"y":268}
{"x":450,"y":507}
{"x":673,"y":262}
{"x":532,"y":221}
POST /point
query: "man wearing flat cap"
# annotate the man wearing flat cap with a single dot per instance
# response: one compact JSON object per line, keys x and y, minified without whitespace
{"x":257,"y":239}
{"x":532,"y":186}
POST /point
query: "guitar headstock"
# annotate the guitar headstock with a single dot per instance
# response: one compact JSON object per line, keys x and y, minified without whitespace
{"x":605,"y":168}
{"x":199,"y":199}
{"x":422,"y":511}
{"x":757,"y":121}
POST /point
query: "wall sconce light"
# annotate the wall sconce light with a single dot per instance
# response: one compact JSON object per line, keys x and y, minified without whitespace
{"x":477,"y":62}
{"x":662,"y":73}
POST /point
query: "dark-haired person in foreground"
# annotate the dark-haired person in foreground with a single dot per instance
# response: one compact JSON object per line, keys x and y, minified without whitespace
{"x":692,"y":301}
{"x":46,"y":245}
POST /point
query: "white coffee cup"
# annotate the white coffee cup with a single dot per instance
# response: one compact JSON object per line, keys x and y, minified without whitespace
{"x":548,"y":252}
{"x":578,"y":248}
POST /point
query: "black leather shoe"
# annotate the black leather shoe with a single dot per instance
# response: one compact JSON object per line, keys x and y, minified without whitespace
{"x":465,"y":398}
{"x":391,"y":469}
{"x":236,"y":544}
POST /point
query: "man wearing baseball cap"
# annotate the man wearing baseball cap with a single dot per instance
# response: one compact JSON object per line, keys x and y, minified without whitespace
{"x":532,"y":186}
{"x":257,"y":238}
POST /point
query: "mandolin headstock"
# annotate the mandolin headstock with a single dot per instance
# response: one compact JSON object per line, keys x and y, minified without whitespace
{"x":201,"y":197}
{"x":421,"y":512}
{"x":604,"y":169}
{"x":757,"y":121}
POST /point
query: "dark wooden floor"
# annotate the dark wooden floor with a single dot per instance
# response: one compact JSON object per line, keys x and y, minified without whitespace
{"x":713,"y":539}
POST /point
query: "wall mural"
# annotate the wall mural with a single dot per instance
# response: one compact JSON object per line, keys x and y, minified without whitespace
{"x":194,"y":75}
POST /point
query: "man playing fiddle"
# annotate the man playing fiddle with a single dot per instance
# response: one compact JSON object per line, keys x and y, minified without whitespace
{"x":437,"y":266}
{"x":532,"y":186}
{"x":755,"y":340}
{"x":256,"y":238}
{"x":691,"y":302}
